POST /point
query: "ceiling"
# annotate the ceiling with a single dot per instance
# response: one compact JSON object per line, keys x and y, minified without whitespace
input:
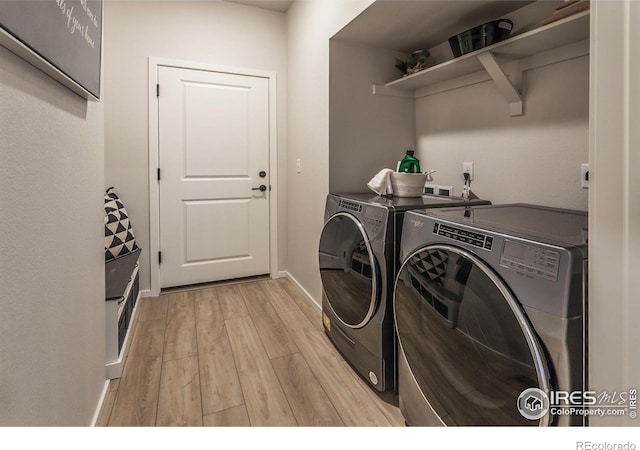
{"x":409,"y":25}
{"x":273,"y":5}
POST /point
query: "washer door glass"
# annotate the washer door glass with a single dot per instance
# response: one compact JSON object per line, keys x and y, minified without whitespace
{"x":466,"y":340}
{"x":347,"y":269}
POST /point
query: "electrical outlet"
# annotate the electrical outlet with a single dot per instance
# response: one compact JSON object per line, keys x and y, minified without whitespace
{"x":431,"y":189}
{"x":467,"y":167}
{"x":445,"y":190}
{"x":584,"y":176}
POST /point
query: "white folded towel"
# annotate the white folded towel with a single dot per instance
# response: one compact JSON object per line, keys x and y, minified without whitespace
{"x":381,"y":183}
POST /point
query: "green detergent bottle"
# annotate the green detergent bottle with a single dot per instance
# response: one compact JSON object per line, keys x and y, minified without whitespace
{"x":409,"y":164}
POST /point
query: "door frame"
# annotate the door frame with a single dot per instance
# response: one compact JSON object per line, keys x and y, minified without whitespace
{"x":154,"y":63}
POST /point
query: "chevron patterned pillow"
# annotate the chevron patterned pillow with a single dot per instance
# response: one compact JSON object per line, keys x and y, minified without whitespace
{"x":119,"y":239}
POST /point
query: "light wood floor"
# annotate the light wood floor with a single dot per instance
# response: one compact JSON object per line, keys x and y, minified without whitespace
{"x":246,"y":354}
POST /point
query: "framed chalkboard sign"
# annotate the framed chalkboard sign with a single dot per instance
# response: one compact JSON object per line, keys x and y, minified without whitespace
{"x":63,"y":38}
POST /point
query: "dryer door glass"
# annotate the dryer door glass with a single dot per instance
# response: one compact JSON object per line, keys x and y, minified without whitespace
{"x":347,"y":269}
{"x":465,"y":339}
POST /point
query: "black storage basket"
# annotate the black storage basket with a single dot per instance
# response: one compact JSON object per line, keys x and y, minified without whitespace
{"x":480,"y":37}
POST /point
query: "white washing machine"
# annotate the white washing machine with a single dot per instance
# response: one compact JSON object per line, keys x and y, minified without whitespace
{"x":490,"y":307}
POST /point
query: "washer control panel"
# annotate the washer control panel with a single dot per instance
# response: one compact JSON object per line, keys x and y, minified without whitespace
{"x":530,"y":260}
{"x":350,"y":206}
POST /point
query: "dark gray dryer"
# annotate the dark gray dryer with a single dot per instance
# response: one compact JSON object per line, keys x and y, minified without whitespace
{"x":358,"y":262}
{"x":490,"y":306}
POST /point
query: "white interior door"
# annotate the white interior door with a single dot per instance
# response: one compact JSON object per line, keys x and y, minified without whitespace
{"x":213,"y":146}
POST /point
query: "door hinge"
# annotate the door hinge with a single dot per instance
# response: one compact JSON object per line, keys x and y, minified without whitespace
{"x":158,"y":173}
{"x":159,"y":257}
{"x":157,"y":90}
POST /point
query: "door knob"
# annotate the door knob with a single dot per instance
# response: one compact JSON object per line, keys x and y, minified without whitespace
{"x":260,"y":188}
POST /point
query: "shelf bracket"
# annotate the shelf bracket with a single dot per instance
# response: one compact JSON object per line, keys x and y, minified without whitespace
{"x":503,"y":83}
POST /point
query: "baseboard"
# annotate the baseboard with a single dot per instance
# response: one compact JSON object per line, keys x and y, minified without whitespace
{"x":280,"y":274}
{"x":147,"y":293}
{"x":103,"y":397}
{"x":312,"y":300}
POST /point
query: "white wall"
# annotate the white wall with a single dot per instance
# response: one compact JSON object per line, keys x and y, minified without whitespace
{"x":310,"y":25}
{"x":534,"y":158}
{"x":366,"y":132}
{"x":52,"y":325}
{"x":219,"y":33}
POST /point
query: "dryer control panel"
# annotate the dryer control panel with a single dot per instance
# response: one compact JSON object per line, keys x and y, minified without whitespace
{"x":466,"y":236}
{"x":530,"y":260}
